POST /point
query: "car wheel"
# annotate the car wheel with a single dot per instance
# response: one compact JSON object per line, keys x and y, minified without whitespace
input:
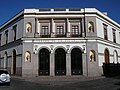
{"x":3,"y":77}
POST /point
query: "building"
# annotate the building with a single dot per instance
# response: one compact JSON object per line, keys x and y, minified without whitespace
{"x":50,"y":42}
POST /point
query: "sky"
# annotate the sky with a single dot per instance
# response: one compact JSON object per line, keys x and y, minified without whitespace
{"x":9,"y":8}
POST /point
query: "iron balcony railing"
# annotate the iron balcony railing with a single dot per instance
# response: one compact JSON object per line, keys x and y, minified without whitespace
{"x":58,"y":34}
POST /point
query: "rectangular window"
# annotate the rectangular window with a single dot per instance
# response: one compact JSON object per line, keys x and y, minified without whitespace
{"x":45,"y":30}
{"x":14,"y":32}
{"x":75,"y":30}
{"x":6,"y":36}
{"x":60,"y":30}
{"x":0,"y":60}
{"x":0,"y":39}
{"x":114,"y":36}
{"x":105,"y":32}
{"x":119,"y":36}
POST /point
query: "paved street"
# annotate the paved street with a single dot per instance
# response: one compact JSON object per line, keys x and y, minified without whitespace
{"x":63,"y":83}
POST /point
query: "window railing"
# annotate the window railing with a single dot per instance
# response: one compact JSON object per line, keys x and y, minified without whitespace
{"x":75,"y":34}
{"x":45,"y":34}
{"x":60,"y":34}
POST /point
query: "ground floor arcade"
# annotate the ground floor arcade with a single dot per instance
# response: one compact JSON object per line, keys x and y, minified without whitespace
{"x":60,"y":62}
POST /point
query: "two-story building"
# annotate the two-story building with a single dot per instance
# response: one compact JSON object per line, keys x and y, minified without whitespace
{"x":51,"y":42}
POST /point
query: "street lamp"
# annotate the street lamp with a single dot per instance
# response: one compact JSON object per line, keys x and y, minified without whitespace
{"x":83,"y":47}
{"x":35,"y":49}
{"x":67,"y":46}
{"x":51,"y":46}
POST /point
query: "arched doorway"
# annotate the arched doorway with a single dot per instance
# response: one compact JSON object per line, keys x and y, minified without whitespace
{"x":115,"y":57}
{"x":60,"y":62}
{"x":13,"y":68}
{"x":106,"y":53}
{"x":106,"y":65}
{"x":76,"y":62}
{"x":44,"y":59}
{"x":5,"y":60}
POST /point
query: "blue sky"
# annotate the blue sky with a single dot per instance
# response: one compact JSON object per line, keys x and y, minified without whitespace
{"x":9,"y":8}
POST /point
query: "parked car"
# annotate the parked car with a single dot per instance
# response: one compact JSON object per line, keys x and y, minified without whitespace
{"x":4,"y":77}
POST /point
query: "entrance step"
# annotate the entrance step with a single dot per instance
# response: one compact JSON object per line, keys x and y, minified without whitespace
{"x":57,"y":80}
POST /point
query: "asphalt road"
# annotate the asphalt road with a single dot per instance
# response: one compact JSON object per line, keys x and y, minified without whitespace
{"x":77,"y":84}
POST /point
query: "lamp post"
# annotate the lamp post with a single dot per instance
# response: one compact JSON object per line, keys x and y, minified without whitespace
{"x":35,"y":49}
{"x":51,"y":47}
{"x":67,"y":46}
{"x":83,"y":47}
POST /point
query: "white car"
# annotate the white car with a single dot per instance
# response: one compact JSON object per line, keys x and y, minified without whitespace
{"x":4,"y":77}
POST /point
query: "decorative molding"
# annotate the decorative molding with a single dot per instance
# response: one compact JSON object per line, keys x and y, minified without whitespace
{"x":59,"y":41}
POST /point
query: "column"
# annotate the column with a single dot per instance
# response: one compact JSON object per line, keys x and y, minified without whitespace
{"x":36,"y":25}
{"x":12,"y":72}
{"x":36,"y":33}
{"x":68,"y":28}
{"x":52,"y":64}
{"x":35,"y":64}
{"x":83,"y":27}
{"x":85,"y":64}
{"x":68,"y":64}
{"x":52,"y":28}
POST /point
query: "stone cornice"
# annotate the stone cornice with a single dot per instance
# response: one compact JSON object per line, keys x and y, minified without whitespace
{"x":61,"y":11}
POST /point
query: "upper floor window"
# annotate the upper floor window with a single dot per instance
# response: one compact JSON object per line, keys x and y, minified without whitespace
{"x":0,"y":39}
{"x":60,"y":27}
{"x":14,"y":32}
{"x":28,"y":27}
{"x":105,"y":32}
{"x":45,"y":30}
{"x":75,"y":27}
{"x":60,"y":30}
{"x":114,"y":36}
{"x":75,"y":30}
{"x":0,"y":60}
{"x":90,"y":26}
{"x":119,"y":36}
{"x":6,"y":36}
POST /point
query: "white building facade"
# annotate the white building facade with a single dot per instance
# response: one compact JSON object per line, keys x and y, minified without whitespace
{"x":56,"y":42}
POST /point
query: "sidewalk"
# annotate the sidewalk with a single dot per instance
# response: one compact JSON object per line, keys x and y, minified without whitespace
{"x":57,"y":80}
{"x":65,"y":83}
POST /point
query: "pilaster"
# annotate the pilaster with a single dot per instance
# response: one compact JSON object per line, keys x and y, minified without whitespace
{"x":52,"y":64}
{"x":68,"y":64}
{"x":52,"y":28}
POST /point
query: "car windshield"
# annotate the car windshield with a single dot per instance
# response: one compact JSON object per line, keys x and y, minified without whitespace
{"x":3,"y":71}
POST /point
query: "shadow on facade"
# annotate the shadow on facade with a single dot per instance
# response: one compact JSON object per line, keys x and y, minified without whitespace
{"x":111,"y":69}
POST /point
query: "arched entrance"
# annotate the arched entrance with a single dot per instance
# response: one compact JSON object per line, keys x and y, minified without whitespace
{"x":13,"y":68}
{"x":44,"y":59}
{"x":115,"y":57}
{"x":106,"y":65}
{"x":106,"y":53}
{"x":5,"y":60}
{"x":60,"y":62}
{"x":76,"y":62}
